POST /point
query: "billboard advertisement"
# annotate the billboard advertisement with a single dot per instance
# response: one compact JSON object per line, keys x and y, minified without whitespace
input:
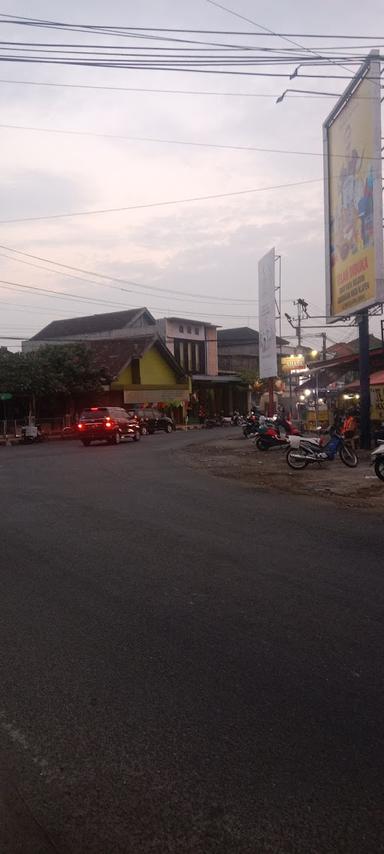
{"x":267,"y":310}
{"x":353,"y":196}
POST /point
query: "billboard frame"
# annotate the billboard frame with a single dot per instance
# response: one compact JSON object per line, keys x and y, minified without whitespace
{"x":370,"y":69}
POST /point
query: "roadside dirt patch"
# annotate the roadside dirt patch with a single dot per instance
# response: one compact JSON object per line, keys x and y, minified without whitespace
{"x":233,"y":457}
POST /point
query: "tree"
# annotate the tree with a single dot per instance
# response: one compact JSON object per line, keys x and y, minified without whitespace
{"x":250,"y":377}
{"x":67,"y":370}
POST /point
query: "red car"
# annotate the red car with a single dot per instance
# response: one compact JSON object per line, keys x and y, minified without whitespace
{"x":107,"y":424}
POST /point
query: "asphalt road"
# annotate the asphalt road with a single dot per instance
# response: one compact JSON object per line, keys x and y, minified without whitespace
{"x":186,"y":664}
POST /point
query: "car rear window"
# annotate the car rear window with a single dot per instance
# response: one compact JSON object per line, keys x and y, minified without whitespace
{"x":94,"y":414}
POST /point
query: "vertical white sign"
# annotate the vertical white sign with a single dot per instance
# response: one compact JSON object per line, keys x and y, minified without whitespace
{"x":267,"y":325}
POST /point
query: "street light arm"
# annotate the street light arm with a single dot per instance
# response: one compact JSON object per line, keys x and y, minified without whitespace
{"x":307,"y":92}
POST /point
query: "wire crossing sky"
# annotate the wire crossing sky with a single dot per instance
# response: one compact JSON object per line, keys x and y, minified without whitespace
{"x":153,"y":165}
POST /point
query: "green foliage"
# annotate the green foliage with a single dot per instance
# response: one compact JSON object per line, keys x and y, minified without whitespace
{"x":52,"y":370}
{"x":250,"y":377}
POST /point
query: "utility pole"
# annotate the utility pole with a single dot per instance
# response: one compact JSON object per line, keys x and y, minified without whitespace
{"x":302,"y":314}
{"x":324,"y":337}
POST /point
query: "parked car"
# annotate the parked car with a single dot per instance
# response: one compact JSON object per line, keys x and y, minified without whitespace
{"x":152,"y":420}
{"x":107,"y":424}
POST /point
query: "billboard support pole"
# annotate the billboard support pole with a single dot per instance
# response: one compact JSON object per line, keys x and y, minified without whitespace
{"x":365,"y":400}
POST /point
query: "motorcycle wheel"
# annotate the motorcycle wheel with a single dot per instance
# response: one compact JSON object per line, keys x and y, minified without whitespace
{"x":379,"y":468}
{"x":295,"y":463}
{"x":261,"y":445}
{"x":348,"y":456}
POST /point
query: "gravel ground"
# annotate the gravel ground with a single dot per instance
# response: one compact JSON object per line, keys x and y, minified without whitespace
{"x":234,"y":457}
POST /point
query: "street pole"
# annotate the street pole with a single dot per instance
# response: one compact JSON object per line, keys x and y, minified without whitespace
{"x":324,"y":337}
{"x":298,"y":328}
{"x":365,"y":401}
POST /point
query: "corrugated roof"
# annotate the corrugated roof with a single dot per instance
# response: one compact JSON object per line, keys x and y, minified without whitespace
{"x":376,"y":378}
{"x":242,"y":335}
{"x":343,"y":348}
{"x":94,"y":323}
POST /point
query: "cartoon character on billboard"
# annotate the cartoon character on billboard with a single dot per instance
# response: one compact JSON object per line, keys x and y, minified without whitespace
{"x":352,"y":226}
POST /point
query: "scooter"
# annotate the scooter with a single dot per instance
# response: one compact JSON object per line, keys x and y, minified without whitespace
{"x":378,"y":460}
{"x":269,"y":434}
{"x":305,"y":450}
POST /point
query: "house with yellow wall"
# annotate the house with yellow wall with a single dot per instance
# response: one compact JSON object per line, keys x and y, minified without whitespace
{"x":140,"y":368}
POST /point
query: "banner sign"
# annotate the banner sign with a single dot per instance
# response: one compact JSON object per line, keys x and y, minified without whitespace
{"x":267,"y":309}
{"x":353,"y":196}
{"x":290,"y":363}
{"x":377,"y":403}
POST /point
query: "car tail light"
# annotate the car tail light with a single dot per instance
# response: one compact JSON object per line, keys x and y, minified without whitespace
{"x":80,"y":426}
{"x":109,"y":423}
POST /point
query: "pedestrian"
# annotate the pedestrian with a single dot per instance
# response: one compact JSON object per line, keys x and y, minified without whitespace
{"x":350,"y":427}
{"x":201,"y":414}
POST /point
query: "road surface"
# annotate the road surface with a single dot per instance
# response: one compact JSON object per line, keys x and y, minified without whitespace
{"x":186,"y":664}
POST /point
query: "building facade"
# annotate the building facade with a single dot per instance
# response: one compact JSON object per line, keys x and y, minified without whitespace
{"x":238,"y":349}
{"x":192,"y":342}
{"x":194,"y":345}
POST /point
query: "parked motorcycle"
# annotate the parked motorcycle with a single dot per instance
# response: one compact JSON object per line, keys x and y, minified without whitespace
{"x":31,"y":433}
{"x":251,"y":426}
{"x":378,"y":461}
{"x":304,"y":450}
{"x":214,"y":421}
{"x":238,"y":420}
{"x":269,"y":435}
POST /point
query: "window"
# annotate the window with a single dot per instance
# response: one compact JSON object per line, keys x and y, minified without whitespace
{"x":189,"y":329}
{"x":135,"y":368}
{"x":181,"y":328}
{"x":179,"y":352}
{"x":197,"y":358}
{"x":197,"y":330}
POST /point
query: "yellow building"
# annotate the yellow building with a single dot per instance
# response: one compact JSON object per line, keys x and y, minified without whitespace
{"x":140,"y":371}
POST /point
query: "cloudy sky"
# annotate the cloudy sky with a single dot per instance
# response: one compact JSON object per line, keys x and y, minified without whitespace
{"x":172,"y":253}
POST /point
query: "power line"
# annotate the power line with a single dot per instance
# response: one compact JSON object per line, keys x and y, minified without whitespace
{"x":149,"y":290}
{"x":168,"y":292}
{"x":65,"y":296}
{"x":94,"y":28}
{"x":27,"y":309}
{"x":308,"y":94}
{"x":87,"y":86}
{"x":181,"y":66}
{"x":182,"y":142}
{"x":267,"y":29}
{"x":50,"y":292}
{"x":161,"y":204}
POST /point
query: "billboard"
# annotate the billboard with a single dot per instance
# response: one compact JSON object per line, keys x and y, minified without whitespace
{"x":267,"y":309}
{"x":353,"y":196}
